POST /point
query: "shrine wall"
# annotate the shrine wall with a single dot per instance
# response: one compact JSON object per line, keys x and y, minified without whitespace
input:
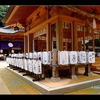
{"x":41,"y":15}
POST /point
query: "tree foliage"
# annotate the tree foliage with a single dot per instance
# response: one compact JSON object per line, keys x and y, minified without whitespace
{"x":3,"y":11}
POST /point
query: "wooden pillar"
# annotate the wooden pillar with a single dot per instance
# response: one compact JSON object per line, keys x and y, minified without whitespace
{"x":55,"y":74}
{"x":30,"y":43}
{"x":59,"y":44}
{"x":25,"y":44}
{"x":75,"y":42}
{"x":59,"y":34}
{"x":88,"y":70}
{"x":72,"y":72}
{"x":55,"y":71}
{"x":66,"y":45}
{"x":48,"y":38}
{"x":84,"y":48}
{"x":72,"y":34}
{"x":93,"y":40}
{"x":79,"y":46}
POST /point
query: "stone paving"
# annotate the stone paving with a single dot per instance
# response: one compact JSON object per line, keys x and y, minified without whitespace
{"x":10,"y":84}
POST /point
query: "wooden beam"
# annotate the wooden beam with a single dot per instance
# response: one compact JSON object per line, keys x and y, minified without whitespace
{"x":41,"y":25}
{"x":35,"y":12}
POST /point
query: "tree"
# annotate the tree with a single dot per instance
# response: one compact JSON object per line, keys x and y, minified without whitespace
{"x":3,"y":11}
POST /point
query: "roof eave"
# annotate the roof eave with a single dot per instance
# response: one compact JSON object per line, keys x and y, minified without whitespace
{"x":11,"y":8}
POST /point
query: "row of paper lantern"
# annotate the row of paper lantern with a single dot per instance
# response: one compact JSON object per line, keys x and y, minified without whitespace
{"x":34,"y":66}
{"x":63,"y":57}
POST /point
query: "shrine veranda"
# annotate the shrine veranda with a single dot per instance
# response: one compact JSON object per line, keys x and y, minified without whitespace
{"x":30,"y":68}
{"x":35,"y":63}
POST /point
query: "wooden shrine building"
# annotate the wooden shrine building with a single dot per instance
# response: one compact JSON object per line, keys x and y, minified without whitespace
{"x":51,"y":28}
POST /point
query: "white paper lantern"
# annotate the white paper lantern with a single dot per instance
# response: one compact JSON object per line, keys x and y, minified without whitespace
{"x":25,"y":63}
{"x":91,"y":57}
{"x":73,"y":57}
{"x":34,"y":67}
{"x":30,"y":65}
{"x":82,"y":57}
{"x":63,"y":58}
{"x":38,"y":67}
{"x":39,"y":55}
{"x":45,"y":57}
{"x":35,"y":55}
{"x":21,"y":63}
{"x":30,"y":55}
{"x":49,"y":57}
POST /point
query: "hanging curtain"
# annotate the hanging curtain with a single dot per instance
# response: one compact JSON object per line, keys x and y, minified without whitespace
{"x":94,"y":23}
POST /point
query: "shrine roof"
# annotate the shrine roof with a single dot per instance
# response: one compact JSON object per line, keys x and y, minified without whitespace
{"x":18,"y":13}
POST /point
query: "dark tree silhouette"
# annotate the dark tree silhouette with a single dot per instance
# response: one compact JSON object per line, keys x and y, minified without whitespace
{"x":3,"y":11}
